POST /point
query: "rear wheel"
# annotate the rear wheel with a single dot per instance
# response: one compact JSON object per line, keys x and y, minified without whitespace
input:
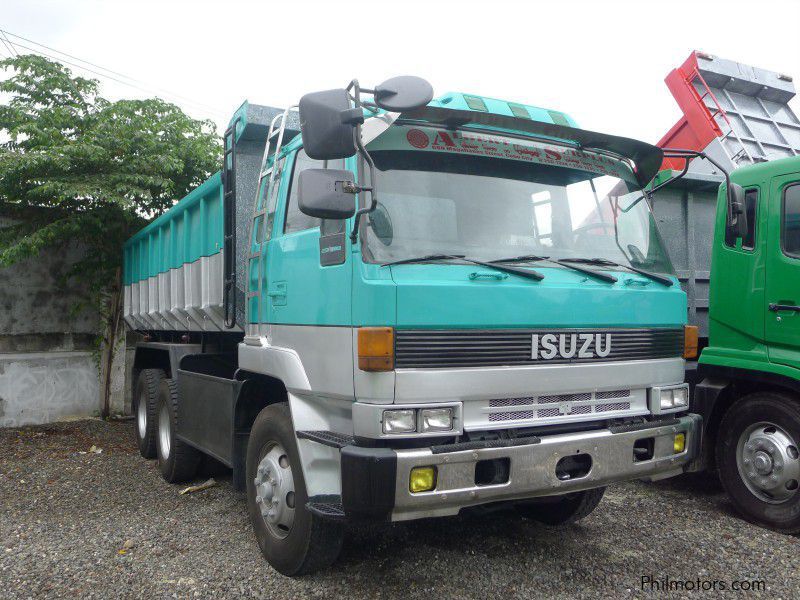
{"x":177,"y":461}
{"x":145,"y":396}
{"x":562,"y":510}
{"x":758,"y":458}
{"x":293,"y":540}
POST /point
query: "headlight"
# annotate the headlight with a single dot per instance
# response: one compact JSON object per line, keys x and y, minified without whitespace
{"x":399,"y":421}
{"x":680,"y":397}
{"x":669,"y":399}
{"x":436,"y":419}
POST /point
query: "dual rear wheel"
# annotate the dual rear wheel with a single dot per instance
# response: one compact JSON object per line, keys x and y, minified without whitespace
{"x":155,"y":406}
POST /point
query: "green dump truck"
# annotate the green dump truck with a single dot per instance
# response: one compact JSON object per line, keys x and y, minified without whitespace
{"x":742,"y":281}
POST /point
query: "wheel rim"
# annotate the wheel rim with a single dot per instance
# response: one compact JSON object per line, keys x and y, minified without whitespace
{"x":164,"y":427}
{"x":274,"y":490}
{"x":141,"y":415}
{"x":768,"y":462}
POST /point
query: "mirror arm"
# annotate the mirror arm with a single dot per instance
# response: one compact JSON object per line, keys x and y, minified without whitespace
{"x":356,"y":88}
{"x":671,"y":179}
{"x":687,"y":154}
{"x":735,"y":210}
{"x":373,"y":195}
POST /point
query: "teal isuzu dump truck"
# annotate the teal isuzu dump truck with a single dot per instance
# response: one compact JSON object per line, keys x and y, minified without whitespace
{"x":404,"y":307}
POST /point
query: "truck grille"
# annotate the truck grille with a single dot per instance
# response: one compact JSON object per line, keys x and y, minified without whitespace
{"x":420,"y":349}
{"x":598,"y":405}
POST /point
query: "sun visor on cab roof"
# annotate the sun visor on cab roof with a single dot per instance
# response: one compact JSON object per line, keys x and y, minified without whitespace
{"x":646,"y":157}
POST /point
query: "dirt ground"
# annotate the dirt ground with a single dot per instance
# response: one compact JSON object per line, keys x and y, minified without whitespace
{"x":104,"y":524}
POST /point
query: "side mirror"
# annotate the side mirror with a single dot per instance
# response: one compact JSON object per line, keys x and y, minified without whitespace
{"x":737,"y":211}
{"x":400,"y":94}
{"x":326,"y":193}
{"x":326,"y":126}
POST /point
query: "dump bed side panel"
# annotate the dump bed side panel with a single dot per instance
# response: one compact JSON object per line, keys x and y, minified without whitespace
{"x":173,"y":267}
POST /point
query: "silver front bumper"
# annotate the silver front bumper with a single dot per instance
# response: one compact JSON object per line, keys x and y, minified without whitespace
{"x":533,"y":467}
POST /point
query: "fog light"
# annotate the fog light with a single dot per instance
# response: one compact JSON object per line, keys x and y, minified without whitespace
{"x":666,"y":399}
{"x":436,"y":419}
{"x":680,"y":397}
{"x":399,"y":421}
{"x":422,"y":479}
{"x":679,"y":443}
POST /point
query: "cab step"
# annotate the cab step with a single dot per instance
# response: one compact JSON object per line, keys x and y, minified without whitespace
{"x":327,"y":438}
{"x":326,"y":507}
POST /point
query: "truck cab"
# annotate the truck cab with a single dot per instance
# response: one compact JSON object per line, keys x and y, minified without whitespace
{"x":469,"y":307}
{"x":750,"y":370}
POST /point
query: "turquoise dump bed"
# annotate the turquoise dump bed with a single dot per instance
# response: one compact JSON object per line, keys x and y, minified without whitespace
{"x":173,"y":268}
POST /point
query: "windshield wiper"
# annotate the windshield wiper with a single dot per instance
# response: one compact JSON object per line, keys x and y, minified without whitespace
{"x":533,"y":258}
{"x":604,"y":262}
{"x":529,"y":274}
{"x":419,"y":259}
{"x":518,"y":259}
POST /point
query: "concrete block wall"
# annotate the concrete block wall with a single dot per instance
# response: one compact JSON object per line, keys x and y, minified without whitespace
{"x":48,"y":371}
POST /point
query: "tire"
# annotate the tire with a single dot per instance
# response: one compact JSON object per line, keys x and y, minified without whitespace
{"x":145,"y":395}
{"x":764,"y":427}
{"x":564,"y":510}
{"x":309,"y":543}
{"x":177,"y":461}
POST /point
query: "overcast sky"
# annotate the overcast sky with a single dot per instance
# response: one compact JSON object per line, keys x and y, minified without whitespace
{"x":602,"y":61}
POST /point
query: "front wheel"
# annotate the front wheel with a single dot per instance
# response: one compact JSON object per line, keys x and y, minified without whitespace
{"x":562,"y":510}
{"x":293,"y":540}
{"x":758,"y":458}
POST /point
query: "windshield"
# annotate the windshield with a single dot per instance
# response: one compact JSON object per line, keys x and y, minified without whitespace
{"x":490,"y":198}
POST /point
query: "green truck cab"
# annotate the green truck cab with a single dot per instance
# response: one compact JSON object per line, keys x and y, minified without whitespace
{"x":749,"y":390}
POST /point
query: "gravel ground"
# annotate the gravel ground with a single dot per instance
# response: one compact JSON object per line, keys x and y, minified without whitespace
{"x":106,"y":525}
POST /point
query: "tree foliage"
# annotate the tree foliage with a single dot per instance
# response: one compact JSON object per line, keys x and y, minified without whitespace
{"x":76,"y":167}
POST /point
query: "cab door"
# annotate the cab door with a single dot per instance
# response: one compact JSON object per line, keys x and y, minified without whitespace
{"x":306,"y":286}
{"x":782,"y":323}
{"x":261,"y":231}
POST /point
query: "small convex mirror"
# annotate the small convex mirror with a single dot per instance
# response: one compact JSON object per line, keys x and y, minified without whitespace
{"x":737,"y":211}
{"x":326,"y":193}
{"x":326,"y":133}
{"x":404,"y":93}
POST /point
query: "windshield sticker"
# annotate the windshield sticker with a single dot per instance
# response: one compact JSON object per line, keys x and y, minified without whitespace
{"x":476,"y":144}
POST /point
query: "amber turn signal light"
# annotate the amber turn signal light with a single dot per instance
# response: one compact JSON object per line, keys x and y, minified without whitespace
{"x":690,"y":341}
{"x":376,"y":348}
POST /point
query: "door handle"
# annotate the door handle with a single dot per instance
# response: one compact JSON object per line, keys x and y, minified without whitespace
{"x":774,"y":307}
{"x":277,"y":293}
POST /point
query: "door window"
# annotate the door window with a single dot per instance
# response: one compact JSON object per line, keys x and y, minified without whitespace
{"x":295,"y":219}
{"x":751,"y":209}
{"x":790,"y":230}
